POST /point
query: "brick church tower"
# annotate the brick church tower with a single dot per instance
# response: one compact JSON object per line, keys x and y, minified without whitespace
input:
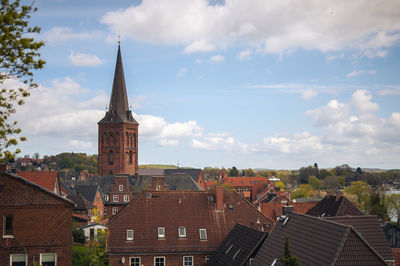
{"x":118,"y":131}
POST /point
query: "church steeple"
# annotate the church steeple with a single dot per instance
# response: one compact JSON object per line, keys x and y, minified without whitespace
{"x":119,"y":107}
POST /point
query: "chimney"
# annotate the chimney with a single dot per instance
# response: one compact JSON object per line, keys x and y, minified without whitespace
{"x":286,"y":209}
{"x":220,"y":198}
{"x":339,"y":194}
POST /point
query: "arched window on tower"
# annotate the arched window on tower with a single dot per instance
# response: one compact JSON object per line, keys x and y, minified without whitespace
{"x":134,"y":140}
{"x":105,"y":138}
{"x":110,"y":157}
{"x":130,"y":157}
{"x":127,"y":139}
{"x":130,"y":137}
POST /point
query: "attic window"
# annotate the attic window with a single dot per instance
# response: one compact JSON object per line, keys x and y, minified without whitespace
{"x":285,"y":221}
{"x":226,"y":252}
{"x":234,"y":256}
{"x":148,"y":195}
{"x":203,"y":234}
{"x":129,"y":234}
{"x":230,"y":206}
{"x":274,"y":262}
{"x":182,"y":231}
{"x":121,"y":187}
{"x":161,"y":232}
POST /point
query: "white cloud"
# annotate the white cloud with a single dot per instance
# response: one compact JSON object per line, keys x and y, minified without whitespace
{"x":64,"y":34}
{"x":245,"y":55}
{"x":361,"y":100}
{"x":330,"y":114}
{"x":81,"y":59}
{"x":221,"y":141}
{"x":199,"y":46}
{"x":181,"y":72}
{"x":308,"y":94}
{"x":217,"y":59}
{"x":310,"y":25}
{"x":391,"y":91}
{"x":78,"y":144}
{"x":166,"y":142}
{"x":356,"y":73}
{"x":301,"y":142}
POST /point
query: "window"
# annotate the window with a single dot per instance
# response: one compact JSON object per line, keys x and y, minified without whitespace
{"x":182,"y":231}
{"x":110,"y":157}
{"x":203,"y":234}
{"x":121,"y":187}
{"x":274,"y":262}
{"x":208,"y":258}
{"x":115,"y":198}
{"x":8,"y":230}
{"x":187,"y":260}
{"x":134,"y":261}
{"x":48,"y":259}
{"x":18,"y":260}
{"x":126,"y":198}
{"x":114,"y":210}
{"x":129,"y":234}
{"x":91,"y":233}
{"x":130,"y":157}
{"x":158,"y":188}
{"x":134,"y":140}
{"x":161,"y":232}
{"x":106,"y":198}
{"x":251,"y":261}
{"x":105,"y":211}
{"x":159,"y":261}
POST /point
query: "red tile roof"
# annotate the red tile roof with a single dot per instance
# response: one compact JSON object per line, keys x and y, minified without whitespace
{"x":45,"y":179}
{"x":273,"y":210}
{"x":171,"y":209}
{"x":244,"y":181}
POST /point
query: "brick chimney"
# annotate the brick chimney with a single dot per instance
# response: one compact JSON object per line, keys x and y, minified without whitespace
{"x":220,"y":198}
{"x":339,"y":194}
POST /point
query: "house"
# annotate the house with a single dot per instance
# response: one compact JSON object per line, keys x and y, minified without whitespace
{"x":370,"y":229}
{"x":36,"y":224}
{"x":45,"y":179}
{"x":334,"y":205}
{"x":90,"y":230}
{"x":175,"y":182}
{"x":82,"y":210}
{"x":119,"y":195}
{"x":93,"y":195}
{"x":317,"y":241}
{"x":273,"y":208}
{"x":239,"y":247}
{"x":177,"y":227}
{"x":392,"y":234}
{"x":248,"y":187}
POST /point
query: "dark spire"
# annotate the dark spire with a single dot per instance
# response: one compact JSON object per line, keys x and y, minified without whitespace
{"x":119,"y":108}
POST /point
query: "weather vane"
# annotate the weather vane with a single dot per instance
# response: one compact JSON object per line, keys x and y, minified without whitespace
{"x":119,"y":37}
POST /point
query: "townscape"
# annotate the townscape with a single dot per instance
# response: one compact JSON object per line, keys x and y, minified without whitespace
{"x":108,"y":209}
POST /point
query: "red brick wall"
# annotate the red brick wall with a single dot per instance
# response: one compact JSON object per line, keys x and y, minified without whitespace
{"x":42,"y":223}
{"x":119,"y":145}
{"x":148,"y":260}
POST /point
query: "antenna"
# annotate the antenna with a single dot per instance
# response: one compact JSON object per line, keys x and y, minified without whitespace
{"x":119,"y":37}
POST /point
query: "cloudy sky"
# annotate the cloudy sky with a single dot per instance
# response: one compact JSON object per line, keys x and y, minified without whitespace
{"x":271,"y":84}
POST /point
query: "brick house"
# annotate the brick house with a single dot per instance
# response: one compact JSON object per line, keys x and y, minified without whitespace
{"x":45,"y":179}
{"x":248,"y":187}
{"x":177,"y":227}
{"x":36,"y":224}
{"x":93,"y":195}
{"x":118,"y":197}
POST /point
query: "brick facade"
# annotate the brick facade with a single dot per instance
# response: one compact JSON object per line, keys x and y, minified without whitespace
{"x":119,"y":196}
{"x":41,"y":222}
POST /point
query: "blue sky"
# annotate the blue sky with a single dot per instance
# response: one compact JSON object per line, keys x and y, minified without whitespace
{"x":269,"y":84}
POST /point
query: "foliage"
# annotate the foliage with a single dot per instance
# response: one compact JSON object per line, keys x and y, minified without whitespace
{"x":19,"y":57}
{"x":360,"y":189}
{"x":280,"y":185}
{"x":393,"y":206}
{"x":76,"y":161}
{"x":93,"y":255}
{"x":78,"y":236}
{"x":80,"y":256}
{"x":314,"y":182}
{"x":376,"y":205}
{"x":233,"y":172}
{"x":302,"y":191}
{"x":249,"y":172}
{"x":287,"y":259}
{"x":305,"y":173}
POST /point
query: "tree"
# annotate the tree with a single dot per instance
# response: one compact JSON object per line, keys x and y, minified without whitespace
{"x":279,"y":184}
{"x":303,"y":191}
{"x":287,"y":258}
{"x":233,"y":172}
{"x":360,"y":189}
{"x":376,"y":205}
{"x":78,"y":236}
{"x":393,"y":206}
{"x":314,"y":182}
{"x":19,"y":57}
{"x":331,"y":183}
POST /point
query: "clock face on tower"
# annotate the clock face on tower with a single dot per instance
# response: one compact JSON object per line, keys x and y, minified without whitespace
{"x":118,"y":130}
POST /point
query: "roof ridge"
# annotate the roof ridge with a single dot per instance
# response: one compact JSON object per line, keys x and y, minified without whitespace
{"x":254,"y":207}
{"x":336,"y":256}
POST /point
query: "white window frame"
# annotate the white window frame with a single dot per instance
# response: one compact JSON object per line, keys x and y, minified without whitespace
{"x":114,"y":210}
{"x":128,"y":237}
{"x":205,"y":233}
{"x":106,"y":198}
{"x":126,"y":198}
{"x":121,"y":187}
{"x":26,"y":258}
{"x":4,"y":226}
{"x":207,"y":258}
{"x":192,"y":261}
{"x":130,"y":260}
{"x":160,"y":257}
{"x":161,"y":235}
{"x":115,"y":198}
{"x":55,"y":257}
{"x":184,"y":231}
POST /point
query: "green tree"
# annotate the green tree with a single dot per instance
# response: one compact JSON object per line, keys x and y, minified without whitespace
{"x":97,"y":251}
{"x":19,"y":58}
{"x":78,"y":236}
{"x":393,"y":206}
{"x":80,"y":256}
{"x":360,"y":189}
{"x":233,"y":172}
{"x":314,"y":182}
{"x":287,"y":258}
{"x":302,"y":191}
{"x":376,"y":205}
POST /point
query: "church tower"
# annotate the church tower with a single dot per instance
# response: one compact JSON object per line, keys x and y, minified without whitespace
{"x":118,"y":130}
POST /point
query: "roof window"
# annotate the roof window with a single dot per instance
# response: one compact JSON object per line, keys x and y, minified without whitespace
{"x":286,"y":220}
{"x":182,"y":231}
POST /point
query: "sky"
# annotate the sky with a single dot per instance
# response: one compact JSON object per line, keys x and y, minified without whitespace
{"x":251,"y":84}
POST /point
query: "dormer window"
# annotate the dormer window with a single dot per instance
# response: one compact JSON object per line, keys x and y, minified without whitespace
{"x":182,"y":231}
{"x":161,"y":232}
{"x":115,"y":198}
{"x":203,"y":234}
{"x":121,"y":187}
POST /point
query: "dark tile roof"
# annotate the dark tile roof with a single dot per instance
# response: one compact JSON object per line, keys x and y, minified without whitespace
{"x":175,"y":182}
{"x":238,"y":246}
{"x":392,"y":234}
{"x":317,"y":241}
{"x":171,"y":209}
{"x":80,"y":202}
{"x":119,"y":109}
{"x":151,"y":171}
{"x":88,"y":191}
{"x":334,"y":206}
{"x":194,"y":173}
{"x":369,"y":228}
